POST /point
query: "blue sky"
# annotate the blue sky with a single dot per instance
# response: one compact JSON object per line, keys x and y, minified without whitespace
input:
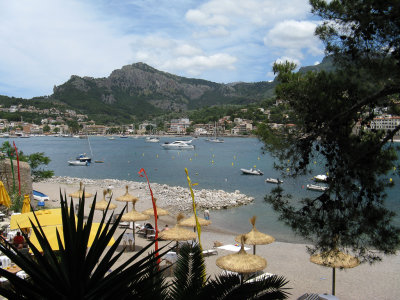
{"x":44,"y":42}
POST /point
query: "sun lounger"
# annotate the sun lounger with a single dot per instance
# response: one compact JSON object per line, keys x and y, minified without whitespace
{"x":210,"y":252}
{"x":233,"y":248}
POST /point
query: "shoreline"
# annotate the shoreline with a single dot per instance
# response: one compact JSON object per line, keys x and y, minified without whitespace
{"x":291,"y":260}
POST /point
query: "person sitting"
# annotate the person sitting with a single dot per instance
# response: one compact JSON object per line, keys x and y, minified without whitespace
{"x":165,"y":228}
{"x":18,"y":241}
{"x":148,"y":226}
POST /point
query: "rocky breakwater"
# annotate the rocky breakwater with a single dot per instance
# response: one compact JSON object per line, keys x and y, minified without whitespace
{"x":173,"y":197}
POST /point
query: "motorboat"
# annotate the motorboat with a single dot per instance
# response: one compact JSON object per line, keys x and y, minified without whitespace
{"x":111,"y":138}
{"x":321,"y":178}
{"x":40,"y":196}
{"x":84,"y":157}
{"x":152,"y":139}
{"x":273,"y":180}
{"x":252,"y":171}
{"x":215,"y":140}
{"x":78,"y":163}
{"x":179,"y":145}
{"x":315,"y":187}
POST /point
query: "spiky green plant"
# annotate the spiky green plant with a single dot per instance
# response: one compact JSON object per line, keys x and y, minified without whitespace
{"x":78,"y":272}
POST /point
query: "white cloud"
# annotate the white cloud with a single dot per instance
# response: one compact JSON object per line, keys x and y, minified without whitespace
{"x":294,"y":37}
{"x":187,"y":50}
{"x":284,"y":59}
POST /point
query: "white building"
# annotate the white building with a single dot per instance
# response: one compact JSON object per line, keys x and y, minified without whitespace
{"x":385,"y":122}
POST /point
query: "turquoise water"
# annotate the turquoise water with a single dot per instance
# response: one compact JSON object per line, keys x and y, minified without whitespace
{"x":212,"y":166}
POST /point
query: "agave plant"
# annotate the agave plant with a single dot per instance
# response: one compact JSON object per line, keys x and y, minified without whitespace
{"x":78,"y":272}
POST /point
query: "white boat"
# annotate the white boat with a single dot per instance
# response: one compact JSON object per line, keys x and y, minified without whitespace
{"x":215,"y":140}
{"x":252,"y":171}
{"x":111,"y":138}
{"x":179,"y":145}
{"x":315,"y":187}
{"x":152,"y":140}
{"x":273,"y":180}
{"x":78,"y":163}
{"x":321,"y":178}
{"x":40,"y":196}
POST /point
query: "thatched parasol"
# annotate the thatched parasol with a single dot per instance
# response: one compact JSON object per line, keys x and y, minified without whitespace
{"x":102,"y":205}
{"x":242,"y":262}
{"x":254,"y":237}
{"x":134,"y":216}
{"x":335,"y":259}
{"x":177,"y":233}
{"x":79,"y":193}
{"x":127,"y":198}
{"x":160,"y":211}
{"x":191,"y":222}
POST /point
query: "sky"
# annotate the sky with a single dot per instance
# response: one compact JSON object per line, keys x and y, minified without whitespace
{"x":44,"y":42}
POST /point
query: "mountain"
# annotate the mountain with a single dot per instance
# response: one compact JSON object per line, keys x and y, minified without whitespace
{"x":139,"y":91}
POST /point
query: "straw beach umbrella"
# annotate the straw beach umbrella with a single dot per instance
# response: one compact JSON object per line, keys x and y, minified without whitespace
{"x":79,"y":193}
{"x":177,"y":233}
{"x":160,"y":211}
{"x":127,"y":198}
{"x":134,"y":216}
{"x":335,"y":259}
{"x":191,"y":222}
{"x":254,"y":237}
{"x":102,"y":205}
{"x":242,"y":262}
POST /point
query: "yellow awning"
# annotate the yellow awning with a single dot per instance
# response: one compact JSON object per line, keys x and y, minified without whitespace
{"x":51,"y":235}
{"x":46,"y":217}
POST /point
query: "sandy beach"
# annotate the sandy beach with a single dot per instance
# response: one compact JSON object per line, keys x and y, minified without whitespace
{"x":379,"y":281}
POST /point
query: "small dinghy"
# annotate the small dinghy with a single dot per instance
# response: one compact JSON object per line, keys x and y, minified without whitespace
{"x":273,"y":180}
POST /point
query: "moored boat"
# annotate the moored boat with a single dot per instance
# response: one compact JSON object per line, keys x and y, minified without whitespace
{"x":321,"y":178}
{"x":84,"y":157}
{"x":78,"y":163}
{"x":152,"y":140}
{"x":273,"y":180}
{"x":252,"y":171}
{"x":40,"y":196}
{"x":315,"y":187}
{"x":179,"y":145}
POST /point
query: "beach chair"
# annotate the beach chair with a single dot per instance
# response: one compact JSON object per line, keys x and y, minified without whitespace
{"x":150,"y":234}
{"x":210,"y":252}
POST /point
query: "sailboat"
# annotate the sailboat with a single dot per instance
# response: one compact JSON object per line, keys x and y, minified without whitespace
{"x":215,"y":139}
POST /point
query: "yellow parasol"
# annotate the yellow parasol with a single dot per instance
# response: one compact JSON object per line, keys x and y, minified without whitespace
{"x":191,"y":222}
{"x":79,"y":193}
{"x":335,"y":259}
{"x":4,"y":197}
{"x":254,"y":237}
{"x":26,"y":206}
{"x":127,"y":197}
{"x":51,"y":235}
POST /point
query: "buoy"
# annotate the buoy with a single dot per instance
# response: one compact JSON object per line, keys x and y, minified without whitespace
{"x":232,"y":164}
{"x":213,"y":155}
{"x":287,"y":169}
{"x":190,"y":159}
{"x":226,"y":179}
{"x":391,"y":179}
{"x":142,"y":154}
{"x":302,"y":186}
{"x":315,"y":162}
{"x":254,"y":166}
{"x":212,"y":161}
{"x":258,"y":158}
{"x":157,"y":155}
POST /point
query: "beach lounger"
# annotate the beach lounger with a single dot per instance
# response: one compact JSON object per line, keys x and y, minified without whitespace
{"x":210,"y":252}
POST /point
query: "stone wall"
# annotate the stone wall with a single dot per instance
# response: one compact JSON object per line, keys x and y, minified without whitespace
{"x":25,"y":174}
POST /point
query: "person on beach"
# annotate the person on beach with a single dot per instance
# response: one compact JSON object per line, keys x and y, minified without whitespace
{"x":18,"y":241}
{"x":165,"y":228}
{"x":206,"y":214}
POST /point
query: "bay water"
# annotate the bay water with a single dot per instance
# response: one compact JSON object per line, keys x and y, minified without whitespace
{"x":211,"y":165}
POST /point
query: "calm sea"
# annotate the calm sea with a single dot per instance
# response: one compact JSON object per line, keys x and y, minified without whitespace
{"x":212,"y":166}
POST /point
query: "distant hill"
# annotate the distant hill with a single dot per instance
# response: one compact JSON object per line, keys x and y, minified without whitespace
{"x":139,"y":91}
